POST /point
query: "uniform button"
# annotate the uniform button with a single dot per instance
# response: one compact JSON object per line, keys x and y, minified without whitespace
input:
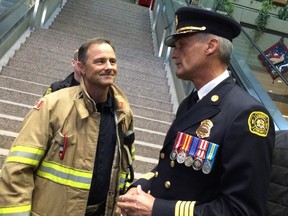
{"x":172,"y":164}
{"x":149,"y":192}
{"x":156,"y":174}
{"x":167,"y":184}
{"x":162,"y":155}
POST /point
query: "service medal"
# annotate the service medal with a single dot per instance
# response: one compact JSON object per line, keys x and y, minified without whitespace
{"x":181,"y":157}
{"x":209,"y":160}
{"x":188,"y":161}
{"x":197,"y":164}
{"x":173,"y":155}
{"x":206,"y":168}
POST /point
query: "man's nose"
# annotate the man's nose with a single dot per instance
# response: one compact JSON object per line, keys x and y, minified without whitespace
{"x":173,"y":54}
{"x":108,"y":65}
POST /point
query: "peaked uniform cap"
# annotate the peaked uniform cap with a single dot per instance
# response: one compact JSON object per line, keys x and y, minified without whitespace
{"x":193,"y":20}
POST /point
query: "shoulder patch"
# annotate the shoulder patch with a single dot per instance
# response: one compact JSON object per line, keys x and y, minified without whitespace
{"x":38,"y":105}
{"x":258,"y":123}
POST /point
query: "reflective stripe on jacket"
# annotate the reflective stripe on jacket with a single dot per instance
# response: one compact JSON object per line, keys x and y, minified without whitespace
{"x":36,"y":181}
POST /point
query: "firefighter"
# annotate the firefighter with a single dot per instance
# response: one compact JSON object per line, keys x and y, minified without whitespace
{"x":72,"y":156}
{"x":216,"y":157}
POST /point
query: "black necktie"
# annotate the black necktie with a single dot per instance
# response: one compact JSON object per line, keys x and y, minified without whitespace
{"x":193,"y":99}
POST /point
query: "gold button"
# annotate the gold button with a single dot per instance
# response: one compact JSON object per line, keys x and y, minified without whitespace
{"x":156,"y":174}
{"x":172,"y":163}
{"x":167,"y":184}
{"x":162,"y":155}
{"x":149,"y":192}
{"x":215,"y":98}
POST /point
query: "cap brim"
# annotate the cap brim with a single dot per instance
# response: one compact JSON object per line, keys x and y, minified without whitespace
{"x":170,"y":40}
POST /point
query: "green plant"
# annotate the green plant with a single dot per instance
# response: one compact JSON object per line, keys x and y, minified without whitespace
{"x":262,"y":18}
{"x":228,"y":6}
{"x":283,"y":13}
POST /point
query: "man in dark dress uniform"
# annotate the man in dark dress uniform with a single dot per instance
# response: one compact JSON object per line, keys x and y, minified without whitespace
{"x":72,"y":79}
{"x":216,"y":157}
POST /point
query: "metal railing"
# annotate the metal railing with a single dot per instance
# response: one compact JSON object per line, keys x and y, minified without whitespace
{"x":22,"y":15}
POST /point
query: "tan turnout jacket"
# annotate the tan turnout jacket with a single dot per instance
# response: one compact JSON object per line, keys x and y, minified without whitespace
{"x":36,"y":181}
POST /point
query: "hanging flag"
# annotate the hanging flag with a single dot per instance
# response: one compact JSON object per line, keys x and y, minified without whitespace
{"x":278,"y":55}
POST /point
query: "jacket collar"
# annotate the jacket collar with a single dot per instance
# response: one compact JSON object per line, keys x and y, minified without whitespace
{"x":85,"y":104}
{"x":206,"y":108}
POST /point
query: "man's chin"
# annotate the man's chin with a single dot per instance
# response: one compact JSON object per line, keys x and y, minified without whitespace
{"x":108,"y":83}
{"x":179,"y":74}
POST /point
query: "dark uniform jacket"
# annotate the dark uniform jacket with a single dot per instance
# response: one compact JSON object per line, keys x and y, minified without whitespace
{"x":238,"y":181}
{"x":278,"y":191}
{"x":69,"y":81}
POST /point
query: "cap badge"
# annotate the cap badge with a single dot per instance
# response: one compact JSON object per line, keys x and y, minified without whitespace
{"x":176,"y":21}
{"x":204,"y":129}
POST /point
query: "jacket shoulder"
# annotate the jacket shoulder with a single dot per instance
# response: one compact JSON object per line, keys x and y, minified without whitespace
{"x":62,"y":98}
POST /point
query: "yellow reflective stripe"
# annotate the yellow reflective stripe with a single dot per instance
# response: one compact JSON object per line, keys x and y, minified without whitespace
{"x":26,"y":155}
{"x":133,"y":152}
{"x":122,"y":180}
{"x":13,"y":210}
{"x":65,"y":175}
{"x":184,"y":208}
{"x":148,"y":175}
{"x":28,"y":149}
{"x":128,"y":184}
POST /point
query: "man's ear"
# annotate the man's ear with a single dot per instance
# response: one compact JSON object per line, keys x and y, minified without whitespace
{"x":80,"y":67}
{"x":212,"y":45}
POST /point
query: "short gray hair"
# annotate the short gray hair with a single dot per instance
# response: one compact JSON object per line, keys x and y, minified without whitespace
{"x":225,"y":46}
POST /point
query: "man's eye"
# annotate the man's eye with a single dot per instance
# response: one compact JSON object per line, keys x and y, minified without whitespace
{"x":99,"y":61}
{"x":113,"y":61}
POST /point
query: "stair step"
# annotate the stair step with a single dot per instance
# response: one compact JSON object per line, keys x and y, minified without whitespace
{"x":9,"y":124}
{"x":162,"y":115}
{"x":18,"y":96}
{"x":14,"y":109}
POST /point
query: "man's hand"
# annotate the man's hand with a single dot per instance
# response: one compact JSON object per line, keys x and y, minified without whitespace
{"x":136,"y":202}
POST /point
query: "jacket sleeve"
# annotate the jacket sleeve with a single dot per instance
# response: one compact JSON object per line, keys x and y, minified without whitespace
{"x":246,"y":157}
{"x":28,"y":149}
{"x":145,"y":180}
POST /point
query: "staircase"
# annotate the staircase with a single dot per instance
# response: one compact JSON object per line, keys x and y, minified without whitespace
{"x":46,"y":54}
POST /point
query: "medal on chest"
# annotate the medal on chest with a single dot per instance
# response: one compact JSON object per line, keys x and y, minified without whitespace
{"x":195,"y":152}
